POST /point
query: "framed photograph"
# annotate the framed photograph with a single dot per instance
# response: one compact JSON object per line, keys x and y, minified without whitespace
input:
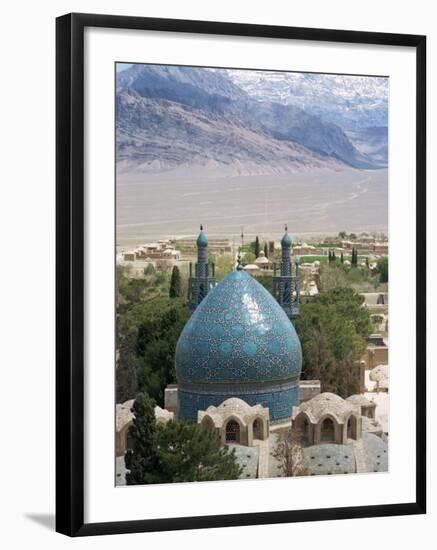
{"x":240,"y":274}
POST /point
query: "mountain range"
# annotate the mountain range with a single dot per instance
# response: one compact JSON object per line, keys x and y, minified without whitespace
{"x":247,"y":122}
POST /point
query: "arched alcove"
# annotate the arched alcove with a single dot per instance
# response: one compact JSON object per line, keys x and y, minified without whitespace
{"x":258,"y":429}
{"x":352,"y":427}
{"x":303,"y":426}
{"x":327,"y":431}
{"x":233,"y":432}
{"x":208,"y":423}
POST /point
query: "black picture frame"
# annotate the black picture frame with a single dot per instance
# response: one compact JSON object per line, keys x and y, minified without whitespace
{"x":70,"y":272}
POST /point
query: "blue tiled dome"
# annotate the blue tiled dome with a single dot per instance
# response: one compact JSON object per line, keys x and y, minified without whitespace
{"x":286,"y":240}
{"x":239,"y":343}
{"x":202,"y":241}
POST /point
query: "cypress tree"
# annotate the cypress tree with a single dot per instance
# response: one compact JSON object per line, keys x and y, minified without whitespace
{"x":257,"y":248}
{"x":266,"y":250}
{"x":341,"y":258}
{"x":142,"y":460}
{"x":329,"y":256}
{"x":175,"y":283}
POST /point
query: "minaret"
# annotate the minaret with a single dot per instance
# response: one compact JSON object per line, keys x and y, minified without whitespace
{"x":285,"y":285}
{"x":201,"y":283}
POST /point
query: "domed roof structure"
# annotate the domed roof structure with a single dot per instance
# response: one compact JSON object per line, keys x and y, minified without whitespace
{"x":238,"y":333}
{"x":233,"y":407}
{"x":360,"y":400}
{"x":238,"y":343}
{"x":328,"y":403}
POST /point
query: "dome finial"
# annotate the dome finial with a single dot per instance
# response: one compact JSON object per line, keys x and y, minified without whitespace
{"x":202,"y":241}
{"x":286,"y":241}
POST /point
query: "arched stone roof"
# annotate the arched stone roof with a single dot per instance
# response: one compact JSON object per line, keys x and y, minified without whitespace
{"x":360,"y":400}
{"x":123,"y":414}
{"x":236,"y":408}
{"x":163,"y":415}
{"x":326,"y":459}
{"x":327,"y":404}
{"x":379,"y":374}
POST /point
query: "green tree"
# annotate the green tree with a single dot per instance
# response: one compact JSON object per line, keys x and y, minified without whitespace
{"x":175,"y":283}
{"x":333,"y":329}
{"x":249,"y":258}
{"x":177,"y":452}
{"x":147,"y":333}
{"x":149,"y":270}
{"x":223,"y":266}
{"x":382,"y":266}
{"x":142,"y":459}
{"x":342,"y":234}
{"x":188,"y":452}
{"x":256,"y":247}
{"x":332,"y":276}
{"x":342,"y":258}
{"x":266,"y":250}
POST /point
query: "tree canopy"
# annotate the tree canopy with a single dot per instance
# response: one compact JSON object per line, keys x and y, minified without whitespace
{"x":175,"y":283}
{"x":333,"y":329}
{"x":147,"y":334}
{"x":177,"y":452}
{"x":382,"y":266}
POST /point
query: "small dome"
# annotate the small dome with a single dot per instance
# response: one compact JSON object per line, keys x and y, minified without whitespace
{"x":286,"y":240}
{"x":202,"y":241}
{"x":379,"y":373}
{"x":360,"y":400}
{"x":327,"y":403}
{"x":251,"y":267}
{"x":234,"y":404}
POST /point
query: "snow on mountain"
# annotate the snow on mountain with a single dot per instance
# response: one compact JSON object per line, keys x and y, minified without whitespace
{"x":169,"y":117}
{"x":351,"y":101}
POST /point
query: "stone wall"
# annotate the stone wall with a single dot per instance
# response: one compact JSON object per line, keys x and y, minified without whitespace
{"x":308,"y":389}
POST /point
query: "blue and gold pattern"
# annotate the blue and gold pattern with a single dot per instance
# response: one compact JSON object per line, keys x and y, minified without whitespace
{"x":240,"y":343}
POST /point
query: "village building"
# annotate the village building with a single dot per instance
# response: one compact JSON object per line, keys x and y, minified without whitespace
{"x":262,"y":262}
{"x":236,"y":422}
{"x":251,"y":268}
{"x":327,"y":418}
{"x":337,"y":438}
{"x":376,"y":352}
{"x":309,"y":250}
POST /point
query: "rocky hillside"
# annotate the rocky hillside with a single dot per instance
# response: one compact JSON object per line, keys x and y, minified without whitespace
{"x":169,"y":117}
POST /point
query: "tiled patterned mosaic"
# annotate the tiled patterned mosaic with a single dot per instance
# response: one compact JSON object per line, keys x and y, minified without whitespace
{"x":239,"y":334}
